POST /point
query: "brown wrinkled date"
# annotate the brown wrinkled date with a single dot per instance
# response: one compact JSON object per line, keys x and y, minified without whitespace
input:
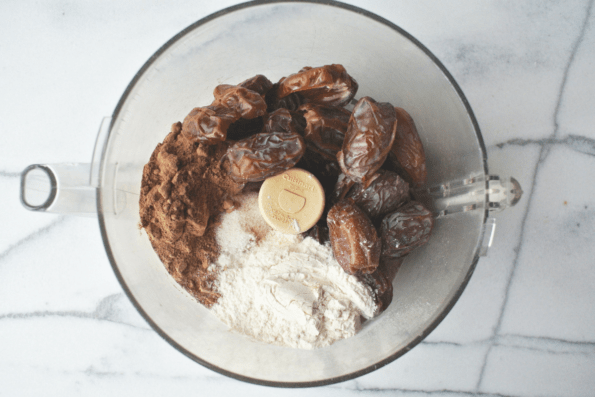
{"x":324,"y":133}
{"x":408,"y":149}
{"x":329,"y":85}
{"x":208,"y":124}
{"x":353,"y":237}
{"x":282,"y":120}
{"x":370,"y":135}
{"x":258,"y":83}
{"x":385,"y":194}
{"x":325,"y":127}
{"x":232,"y":102}
{"x":257,"y":129}
{"x":244,"y":127}
{"x":245,"y":103}
{"x":405,"y":229}
{"x":264,"y":155}
{"x":381,"y":281}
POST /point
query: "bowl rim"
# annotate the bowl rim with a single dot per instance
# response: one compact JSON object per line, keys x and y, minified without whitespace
{"x":139,"y":308}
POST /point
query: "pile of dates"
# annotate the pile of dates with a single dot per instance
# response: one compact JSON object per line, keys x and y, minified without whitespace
{"x":366,"y":158}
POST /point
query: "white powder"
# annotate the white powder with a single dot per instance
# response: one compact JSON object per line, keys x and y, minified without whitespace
{"x":295,"y":225}
{"x":284,"y":289}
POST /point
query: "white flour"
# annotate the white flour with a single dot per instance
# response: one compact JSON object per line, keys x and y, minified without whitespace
{"x":284,"y":289}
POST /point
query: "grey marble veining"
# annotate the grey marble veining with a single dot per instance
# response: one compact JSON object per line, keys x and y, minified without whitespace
{"x":525,"y":324}
{"x":545,"y":147}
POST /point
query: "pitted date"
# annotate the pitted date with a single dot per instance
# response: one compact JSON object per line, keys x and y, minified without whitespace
{"x":405,"y":229}
{"x":354,"y":240}
{"x":381,"y":281}
{"x":208,"y":124}
{"x":282,"y":120}
{"x":325,"y":127}
{"x":329,"y":85}
{"x":408,"y":148}
{"x":381,"y":286}
{"x":232,"y":103}
{"x":221,"y":89}
{"x":245,"y":103}
{"x":369,"y":138}
{"x":258,"y":83}
{"x":385,"y":194}
{"x":264,"y":155}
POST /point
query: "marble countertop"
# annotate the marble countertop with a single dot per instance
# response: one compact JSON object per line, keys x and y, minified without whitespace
{"x":524,"y":326}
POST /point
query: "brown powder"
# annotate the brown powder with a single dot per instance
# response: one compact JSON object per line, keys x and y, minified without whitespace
{"x":183,"y":192}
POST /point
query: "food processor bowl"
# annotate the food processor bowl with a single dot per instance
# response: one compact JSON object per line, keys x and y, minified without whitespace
{"x":277,"y":39}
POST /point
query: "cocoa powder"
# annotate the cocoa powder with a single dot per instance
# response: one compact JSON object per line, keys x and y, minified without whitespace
{"x":183,"y":192}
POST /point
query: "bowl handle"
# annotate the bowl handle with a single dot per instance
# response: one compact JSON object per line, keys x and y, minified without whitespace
{"x":489,"y":193}
{"x":67,"y":188}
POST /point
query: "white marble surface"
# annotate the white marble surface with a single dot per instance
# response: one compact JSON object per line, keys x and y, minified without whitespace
{"x":525,"y":325}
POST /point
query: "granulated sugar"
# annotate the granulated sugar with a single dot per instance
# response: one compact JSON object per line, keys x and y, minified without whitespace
{"x":284,"y":289}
